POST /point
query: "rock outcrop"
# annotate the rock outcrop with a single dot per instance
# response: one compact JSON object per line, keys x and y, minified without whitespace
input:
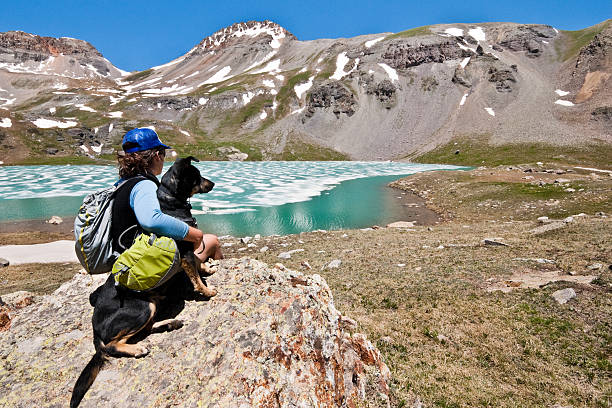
{"x":527,"y":38}
{"x":271,"y":337}
{"x":402,"y":55}
{"x":331,"y":95}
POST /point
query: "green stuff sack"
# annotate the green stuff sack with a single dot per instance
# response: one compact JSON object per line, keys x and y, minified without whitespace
{"x":148,"y":263}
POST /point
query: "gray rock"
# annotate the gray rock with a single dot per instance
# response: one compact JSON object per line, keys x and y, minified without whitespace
{"x":17,"y":300}
{"x":537,"y":260}
{"x":548,"y":227}
{"x":287,"y":255}
{"x":401,"y":224}
{"x":334,"y":264}
{"x":237,"y":157}
{"x":494,"y":242}
{"x":4,"y":263}
{"x":271,"y":328}
{"x":595,"y":267}
{"x":564,"y":295}
{"x":55,"y":220}
{"x":331,"y":95}
{"x":347,"y":323}
{"x":386,"y":340}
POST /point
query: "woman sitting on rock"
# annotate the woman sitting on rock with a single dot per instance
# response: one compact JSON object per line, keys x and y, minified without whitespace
{"x":136,"y":206}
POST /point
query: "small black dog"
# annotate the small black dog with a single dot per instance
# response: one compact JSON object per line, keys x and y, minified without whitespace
{"x":121,"y":315}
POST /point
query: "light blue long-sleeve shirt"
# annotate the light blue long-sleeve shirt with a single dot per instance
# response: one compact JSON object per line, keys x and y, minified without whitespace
{"x":144,"y":202}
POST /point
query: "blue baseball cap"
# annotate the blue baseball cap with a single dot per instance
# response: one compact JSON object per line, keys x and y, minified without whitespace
{"x":140,"y":139}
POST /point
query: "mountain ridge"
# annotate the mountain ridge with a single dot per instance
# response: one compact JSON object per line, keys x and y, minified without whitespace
{"x":254,"y":86}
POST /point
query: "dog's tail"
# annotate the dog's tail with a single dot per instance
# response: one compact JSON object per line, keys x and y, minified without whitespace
{"x":87,"y":377}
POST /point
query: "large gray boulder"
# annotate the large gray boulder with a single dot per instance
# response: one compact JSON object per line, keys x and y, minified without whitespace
{"x":271,"y":337}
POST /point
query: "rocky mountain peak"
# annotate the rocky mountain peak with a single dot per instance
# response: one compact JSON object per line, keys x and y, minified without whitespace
{"x":252,"y":29}
{"x":21,"y":41}
{"x":30,"y":54}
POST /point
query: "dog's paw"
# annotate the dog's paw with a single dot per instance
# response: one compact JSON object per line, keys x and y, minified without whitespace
{"x":207,"y":292}
{"x":209,"y":267}
{"x":141,"y":351}
{"x":175,"y":324}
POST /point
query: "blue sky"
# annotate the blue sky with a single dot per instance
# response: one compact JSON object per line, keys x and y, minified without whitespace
{"x":135,"y":34}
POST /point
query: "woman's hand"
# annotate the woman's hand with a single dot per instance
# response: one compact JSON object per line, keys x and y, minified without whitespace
{"x":196,"y":236}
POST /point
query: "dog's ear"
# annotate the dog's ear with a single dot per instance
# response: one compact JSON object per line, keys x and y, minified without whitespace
{"x":186,"y":161}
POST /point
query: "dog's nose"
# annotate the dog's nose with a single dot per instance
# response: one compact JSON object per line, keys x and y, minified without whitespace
{"x":207,"y":185}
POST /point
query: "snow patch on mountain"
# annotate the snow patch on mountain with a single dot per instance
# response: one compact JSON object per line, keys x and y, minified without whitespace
{"x":561,"y":93}
{"x":192,"y":74}
{"x":167,"y":90}
{"x":265,"y":59}
{"x":370,"y":43}
{"x":300,"y":89}
{"x":341,"y":61}
{"x":477,"y":33}
{"x":7,"y":101}
{"x":220,"y":76}
{"x":466,"y":48}
{"x":246,"y":98}
{"x":390,"y":71}
{"x":564,"y":103}
{"x":455,"y":32}
{"x":272,"y":66}
{"x":490,"y":111}
{"x":48,"y":123}
{"x":85,"y":108}
{"x":97,"y":149}
{"x":6,"y":123}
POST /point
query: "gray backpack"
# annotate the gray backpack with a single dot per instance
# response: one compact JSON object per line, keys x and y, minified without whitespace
{"x":92,"y":231}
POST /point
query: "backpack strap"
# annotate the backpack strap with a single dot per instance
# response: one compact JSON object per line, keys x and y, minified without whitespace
{"x":124,"y":225}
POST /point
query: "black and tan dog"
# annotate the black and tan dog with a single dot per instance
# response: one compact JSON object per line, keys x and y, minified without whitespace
{"x":121,"y":316}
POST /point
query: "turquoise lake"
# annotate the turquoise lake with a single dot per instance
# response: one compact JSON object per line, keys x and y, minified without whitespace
{"x":249,"y":197}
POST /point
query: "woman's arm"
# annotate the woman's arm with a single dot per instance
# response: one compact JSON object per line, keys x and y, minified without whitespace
{"x":143,"y":200}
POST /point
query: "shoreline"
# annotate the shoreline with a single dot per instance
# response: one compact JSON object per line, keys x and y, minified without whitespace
{"x":36,"y":231}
